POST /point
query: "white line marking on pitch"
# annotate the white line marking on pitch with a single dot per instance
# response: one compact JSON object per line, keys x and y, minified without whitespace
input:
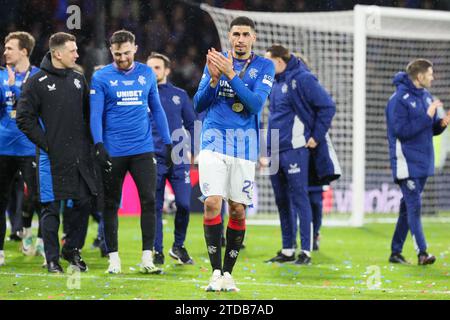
{"x":297,"y":285}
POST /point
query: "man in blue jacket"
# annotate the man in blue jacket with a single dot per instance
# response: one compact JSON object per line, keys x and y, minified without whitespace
{"x":122,"y":94}
{"x":413,"y":117}
{"x":180,"y":116}
{"x":302,"y":111}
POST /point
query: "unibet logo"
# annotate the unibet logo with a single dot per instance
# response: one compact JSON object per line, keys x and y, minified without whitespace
{"x":129,"y":94}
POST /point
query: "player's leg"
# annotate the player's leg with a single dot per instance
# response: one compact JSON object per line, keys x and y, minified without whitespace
{"x":213,"y":175}
{"x":181,"y":184}
{"x":412,"y":192}
{"x":8,"y":169}
{"x":15,"y":206}
{"x":280,"y":189}
{"x":160,"y":190}
{"x":297,"y":177}
{"x":399,"y":237}
{"x":78,"y":224}
{"x":316,"y":200}
{"x":143,"y":171}
{"x":30,"y":203}
{"x":112,"y":186}
{"x":241,"y":177}
{"x":50,"y":225}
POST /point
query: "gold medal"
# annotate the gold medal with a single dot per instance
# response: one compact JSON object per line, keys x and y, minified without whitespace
{"x":12,"y":114}
{"x":237,"y":107}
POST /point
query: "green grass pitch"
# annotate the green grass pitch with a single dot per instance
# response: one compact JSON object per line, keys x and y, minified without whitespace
{"x":351,"y":264}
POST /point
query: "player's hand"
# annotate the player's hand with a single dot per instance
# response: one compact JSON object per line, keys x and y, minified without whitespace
{"x":169,"y":161}
{"x":103,"y":157}
{"x":224,"y":64}
{"x":446,"y":120}
{"x":431,"y":111}
{"x":311,"y":143}
{"x":11,"y":76}
{"x":213,"y":71}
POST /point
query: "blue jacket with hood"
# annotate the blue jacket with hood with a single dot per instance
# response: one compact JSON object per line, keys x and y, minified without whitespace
{"x":410,"y":130}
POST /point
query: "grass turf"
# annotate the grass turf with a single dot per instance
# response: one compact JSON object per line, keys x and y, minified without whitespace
{"x":346,"y":267}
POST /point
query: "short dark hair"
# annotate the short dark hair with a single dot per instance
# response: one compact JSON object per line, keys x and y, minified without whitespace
{"x":26,"y":40}
{"x":122,"y":36}
{"x":242,"y":21}
{"x":278,"y":51}
{"x":164,"y":58}
{"x":418,"y":66}
{"x":59,"y":39}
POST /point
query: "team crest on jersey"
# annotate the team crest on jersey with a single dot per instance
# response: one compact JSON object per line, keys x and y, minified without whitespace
{"x":114,"y":83}
{"x":51,"y":87}
{"x":294,"y":84}
{"x":293,"y":168}
{"x":187,"y":177}
{"x":142,"y":81}
{"x":77,"y":83}
{"x":253,"y":73}
{"x":128,"y":82}
{"x":284,"y":88}
{"x":176,"y":100}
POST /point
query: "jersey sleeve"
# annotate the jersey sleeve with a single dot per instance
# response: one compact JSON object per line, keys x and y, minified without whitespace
{"x":253,"y":100}
{"x":159,"y":116}
{"x":28,"y":109}
{"x":97,"y":105}
{"x":205,"y":94}
{"x":321,"y":102}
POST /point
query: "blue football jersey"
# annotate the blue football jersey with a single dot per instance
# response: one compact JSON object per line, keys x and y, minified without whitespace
{"x":13,"y":142}
{"x":120,"y":103}
{"x":230,"y":132}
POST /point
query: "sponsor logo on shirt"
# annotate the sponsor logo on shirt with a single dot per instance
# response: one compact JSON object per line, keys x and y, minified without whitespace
{"x":176,"y":100}
{"x":129,"y":98}
{"x":413,"y":104}
{"x":51,"y":87}
{"x":268,"y":80}
{"x":225,"y":89}
{"x":293,"y":168}
{"x":128,"y":82}
{"x":114,"y":83}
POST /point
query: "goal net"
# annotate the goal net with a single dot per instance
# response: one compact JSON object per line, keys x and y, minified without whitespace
{"x":355,"y":55}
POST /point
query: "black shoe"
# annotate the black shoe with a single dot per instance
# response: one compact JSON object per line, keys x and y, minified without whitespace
{"x":96,"y":243}
{"x":181,"y":254}
{"x":425,"y":258}
{"x":397,"y":258}
{"x":74,"y":258}
{"x":280,"y":257}
{"x":242,"y":246}
{"x":158,"y":258}
{"x":303,"y":259}
{"x":316,"y":243}
{"x":15,"y":236}
{"x":54,"y":267}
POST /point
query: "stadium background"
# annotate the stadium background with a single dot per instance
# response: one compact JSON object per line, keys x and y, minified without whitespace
{"x":175,"y":28}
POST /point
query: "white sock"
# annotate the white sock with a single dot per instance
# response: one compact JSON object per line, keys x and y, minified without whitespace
{"x":288,"y":252}
{"x":114,"y":256}
{"x":147,"y":255}
{"x":2,"y":253}
{"x":27,"y":232}
{"x":308,"y":253}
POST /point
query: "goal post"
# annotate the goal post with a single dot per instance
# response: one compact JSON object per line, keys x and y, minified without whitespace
{"x":355,"y":55}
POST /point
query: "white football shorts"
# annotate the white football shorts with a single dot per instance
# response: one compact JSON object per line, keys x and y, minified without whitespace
{"x":226,"y":176}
